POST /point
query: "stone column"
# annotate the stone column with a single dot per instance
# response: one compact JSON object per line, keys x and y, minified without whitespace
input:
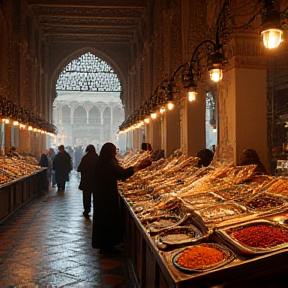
{"x":156,"y":133}
{"x":171,"y":131}
{"x":24,"y":140}
{"x":242,"y":100}
{"x":7,"y":136}
{"x":193,"y":124}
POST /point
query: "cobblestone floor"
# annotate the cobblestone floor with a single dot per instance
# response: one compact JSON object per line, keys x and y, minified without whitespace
{"x":47,"y":244}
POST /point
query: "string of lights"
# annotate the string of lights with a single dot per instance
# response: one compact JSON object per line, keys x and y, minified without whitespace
{"x":208,"y":56}
{"x":18,"y":116}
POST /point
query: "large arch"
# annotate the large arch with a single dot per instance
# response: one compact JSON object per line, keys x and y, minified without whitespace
{"x":105,"y":97}
{"x":65,"y":61}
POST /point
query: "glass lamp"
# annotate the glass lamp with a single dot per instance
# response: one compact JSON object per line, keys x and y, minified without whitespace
{"x":272,"y":38}
{"x":192,"y":96}
{"x":271,"y":29}
{"x":216,"y":74}
{"x":170,"y":105}
{"x":215,"y":66}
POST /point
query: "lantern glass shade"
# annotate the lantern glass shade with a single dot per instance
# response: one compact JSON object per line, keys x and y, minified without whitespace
{"x":170,"y":105}
{"x":272,"y":38}
{"x":153,"y":115}
{"x":216,"y":74}
{"x":192,"y":96}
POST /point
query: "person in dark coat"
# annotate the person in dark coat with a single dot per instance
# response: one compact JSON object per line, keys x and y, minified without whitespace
{"x":62,"y":167}
{"x":250,"y":156}
{"x":107,"y":230}
{"x":43,"y":162}
{"x":206,"y":156}
{"x":43,"y":179}
{"x":86,"y":168}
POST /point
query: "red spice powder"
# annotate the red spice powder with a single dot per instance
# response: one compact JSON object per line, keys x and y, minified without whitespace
{"x":200,"y":257}
{"x":261,"y":236}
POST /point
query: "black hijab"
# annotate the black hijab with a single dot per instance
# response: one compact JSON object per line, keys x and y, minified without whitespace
{"x":107,"y":153}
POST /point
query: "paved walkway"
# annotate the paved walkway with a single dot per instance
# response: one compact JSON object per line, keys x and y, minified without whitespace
{"x":47,"y":244}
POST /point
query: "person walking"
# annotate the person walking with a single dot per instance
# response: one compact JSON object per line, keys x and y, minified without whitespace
{"x":86,"y":168}
{"x":43,"y":180}
{"x":62,"y":167}
{"x":107,"y":230}
{"x":50,"y":157}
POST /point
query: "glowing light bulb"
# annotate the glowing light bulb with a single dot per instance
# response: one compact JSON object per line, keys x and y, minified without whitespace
{"x":192,"y":96}
{"x":272,"y":38}
{"x":170,"y":105}
{"x":216,"y":75}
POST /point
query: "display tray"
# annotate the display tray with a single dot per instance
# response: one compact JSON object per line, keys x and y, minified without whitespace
{"x":180,"y":235}
{"x":255,"y":237}
{"x":202,"y":200}
{"x":202,"y":257}
{"x":159,"y":223}
{"x":222,"y":211}
{"x":235,"y":192}
{"x":265,"y":202}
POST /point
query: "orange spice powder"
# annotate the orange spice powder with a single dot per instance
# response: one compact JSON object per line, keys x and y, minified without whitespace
{"x":200,"y":257}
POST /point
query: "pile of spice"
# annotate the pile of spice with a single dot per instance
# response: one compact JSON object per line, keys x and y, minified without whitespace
{"x":264,"y":201}
{"x":200,"y":257}
{"x":261,"y":236}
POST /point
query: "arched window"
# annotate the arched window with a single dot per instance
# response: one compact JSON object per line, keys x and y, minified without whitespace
{"x":80,"y":115}
{"x":88,"y":73}
{"x":66,"y":115}
{"x":94,"y":116}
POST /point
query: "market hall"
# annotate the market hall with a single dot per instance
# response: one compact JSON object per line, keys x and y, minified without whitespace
{"x":220,"y":52}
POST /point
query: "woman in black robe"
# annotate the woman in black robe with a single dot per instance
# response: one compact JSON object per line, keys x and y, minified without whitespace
{"x":107,"y":230}
{"x":62,"y":167}
{"x":86,"y":168}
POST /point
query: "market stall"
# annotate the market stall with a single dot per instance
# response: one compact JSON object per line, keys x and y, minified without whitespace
{"x":198,"y":227}
{"x":19,"y":182}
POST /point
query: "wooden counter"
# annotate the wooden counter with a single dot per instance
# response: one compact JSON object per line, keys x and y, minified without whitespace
{"x":152,"y":268}
{"x":16,"y":193}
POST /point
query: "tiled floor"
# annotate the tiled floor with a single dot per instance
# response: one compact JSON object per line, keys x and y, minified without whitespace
{"x":47,"y":244}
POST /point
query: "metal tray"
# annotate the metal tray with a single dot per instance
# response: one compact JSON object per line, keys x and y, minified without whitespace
{"x":179,"y":235}
{"x":227,"y":254}
{"x":226,"y":234}
{"x":264,"y":202}
{"x":221,"y":212}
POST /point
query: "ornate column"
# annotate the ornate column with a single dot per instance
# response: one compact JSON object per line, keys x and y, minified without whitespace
{"x":242,"y":98}
{"x":24,"y":140}
{"x":7,"y":135}
{"x":156,"y":133}
{"x":193,"y":124}
{"x":171,"y":131}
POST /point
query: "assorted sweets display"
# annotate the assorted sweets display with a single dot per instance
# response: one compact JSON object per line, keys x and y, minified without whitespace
{"x":209,"y":216}
{"x":13,"y":168}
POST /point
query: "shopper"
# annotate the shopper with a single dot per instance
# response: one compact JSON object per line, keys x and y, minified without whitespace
{"x":249,"y":157}
{"x":62,"y":167}
{"x":50,"y":157}
{"x":205,"y":157}
{"x":107,"y":230}
{"x":86,"y":168}
{"x":43,"y":179}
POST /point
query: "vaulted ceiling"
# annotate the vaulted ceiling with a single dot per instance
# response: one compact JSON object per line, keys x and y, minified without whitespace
{"x":111,"y":27}
{"x":102,"y":21}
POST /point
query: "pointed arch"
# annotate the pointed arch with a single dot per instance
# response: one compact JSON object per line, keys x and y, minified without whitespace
{"x":77,"y":54}
{"x":94,"y":116}
{"x":80,"y":115}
